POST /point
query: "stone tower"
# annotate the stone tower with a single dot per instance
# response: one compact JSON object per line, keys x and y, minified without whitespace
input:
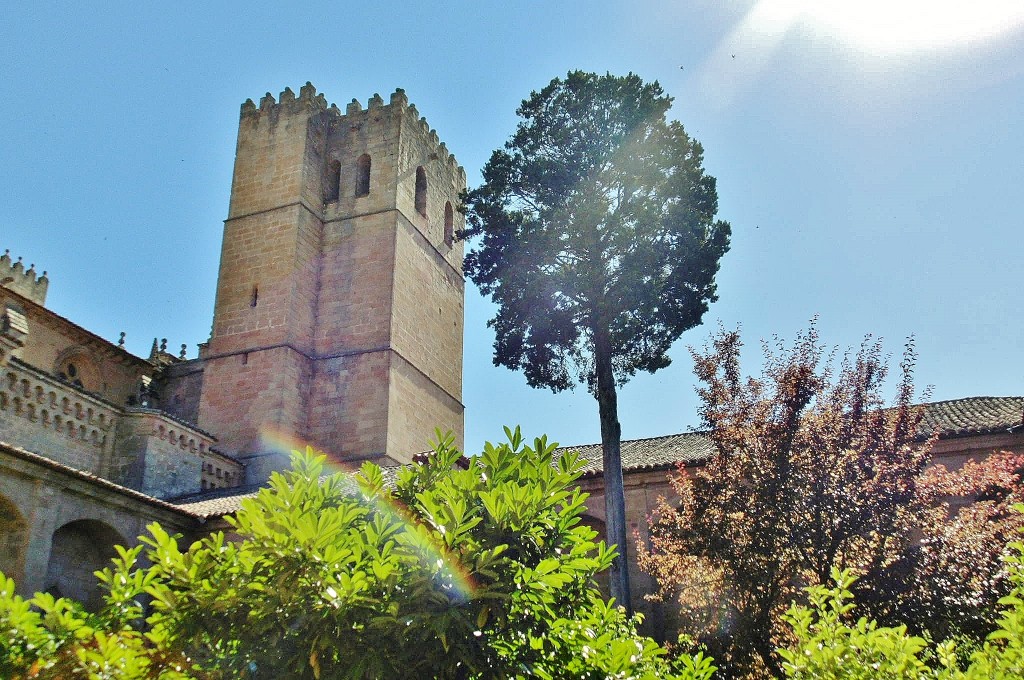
{"x":339,"y":311}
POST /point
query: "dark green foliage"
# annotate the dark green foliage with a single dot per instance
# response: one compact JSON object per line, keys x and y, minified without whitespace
{"x":596,"y":217}
{"x":598,"y":242}
{"x":481,"y":571}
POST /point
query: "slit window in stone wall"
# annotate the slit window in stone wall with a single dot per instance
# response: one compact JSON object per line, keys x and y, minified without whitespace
{"x":449,"y":224}
{"x":363,"y":175}
{"x":332,"y":188}
{"x":421,"y":191}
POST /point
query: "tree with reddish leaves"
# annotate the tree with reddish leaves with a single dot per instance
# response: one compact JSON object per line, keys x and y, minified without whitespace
{"x":959,"y":571}
{"x":809,"y":471}
{"x":813,"y":470}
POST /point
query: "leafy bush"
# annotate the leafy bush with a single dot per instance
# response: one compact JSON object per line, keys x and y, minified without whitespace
{"x":478,"y":569}
{"x":828,"y":645}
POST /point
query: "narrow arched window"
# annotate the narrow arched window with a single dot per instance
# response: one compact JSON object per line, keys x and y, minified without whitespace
{"x":363,"y":175}
{"x":332,"y":186}
{"x":449,"y":224}
{"x":421,"y":191}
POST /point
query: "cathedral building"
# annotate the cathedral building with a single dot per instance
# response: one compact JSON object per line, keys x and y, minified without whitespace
{"x":338,"y":322}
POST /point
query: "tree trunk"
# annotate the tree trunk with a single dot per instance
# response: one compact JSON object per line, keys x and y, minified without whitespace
{"x":614,"y":493}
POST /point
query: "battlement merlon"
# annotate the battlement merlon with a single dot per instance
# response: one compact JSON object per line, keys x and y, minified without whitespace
{"x":309,"y":102}
{"x":24,"y":282}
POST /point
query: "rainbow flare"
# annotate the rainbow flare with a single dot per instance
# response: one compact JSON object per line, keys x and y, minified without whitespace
{"x":458,"y":582}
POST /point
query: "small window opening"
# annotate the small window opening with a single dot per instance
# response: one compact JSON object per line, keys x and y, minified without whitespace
{"x":363,"y":176}
{"x":421,"y":191}
{"x":333,"y":187}
{"x":449,"y":224}
{"x":255,"y":298}
{"x":70,"y":374}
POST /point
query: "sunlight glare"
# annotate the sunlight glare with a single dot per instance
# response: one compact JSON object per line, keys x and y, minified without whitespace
{"x":906,"y":25}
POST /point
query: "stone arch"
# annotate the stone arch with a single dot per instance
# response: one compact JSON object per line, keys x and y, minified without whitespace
{"x":421,"y":191}
{"x":13,"y":538}
{"x":77,"y":367}
{"x":77,"y":550}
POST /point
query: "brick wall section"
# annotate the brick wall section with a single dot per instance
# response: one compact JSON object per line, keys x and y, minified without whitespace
{"x":348,"y":416}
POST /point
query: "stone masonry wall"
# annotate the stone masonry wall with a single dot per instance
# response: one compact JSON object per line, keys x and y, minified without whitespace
{"x":417,"y":407}
{"x":420,"y":147}
{"x":107,"y":369}
{"x":428,"y":311}
{"x":318,"y":274}
{"x":256,"y":392}
{"x":49,"y":499}
{"x":348,"y":417}
{"x":267,"y":288}
{"x":157,"y":455}
{"x":180,"y":388}
{"x":40,"y":413}
{"x":354,"y":307}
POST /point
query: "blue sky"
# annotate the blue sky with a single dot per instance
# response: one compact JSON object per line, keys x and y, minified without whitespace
{"x":869,"y":162}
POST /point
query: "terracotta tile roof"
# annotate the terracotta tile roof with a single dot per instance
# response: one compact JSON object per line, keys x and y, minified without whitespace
{"x":973,"y":415}
{"x":218,"y":502}
{"x":952,"y":418}
{"x":654,"y":453}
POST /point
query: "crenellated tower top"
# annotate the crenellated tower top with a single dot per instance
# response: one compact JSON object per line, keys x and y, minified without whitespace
{"x":24,"y":282}
{"x":309,"y":102}
{"x":339,"y":262}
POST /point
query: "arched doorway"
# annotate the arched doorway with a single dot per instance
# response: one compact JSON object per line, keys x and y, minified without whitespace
{"x":13,"y":536}
{"x":78,"y":549}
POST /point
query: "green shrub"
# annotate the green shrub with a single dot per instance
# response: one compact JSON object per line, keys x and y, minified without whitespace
{"x":478,"y":570}
{"x":828,"y":645}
